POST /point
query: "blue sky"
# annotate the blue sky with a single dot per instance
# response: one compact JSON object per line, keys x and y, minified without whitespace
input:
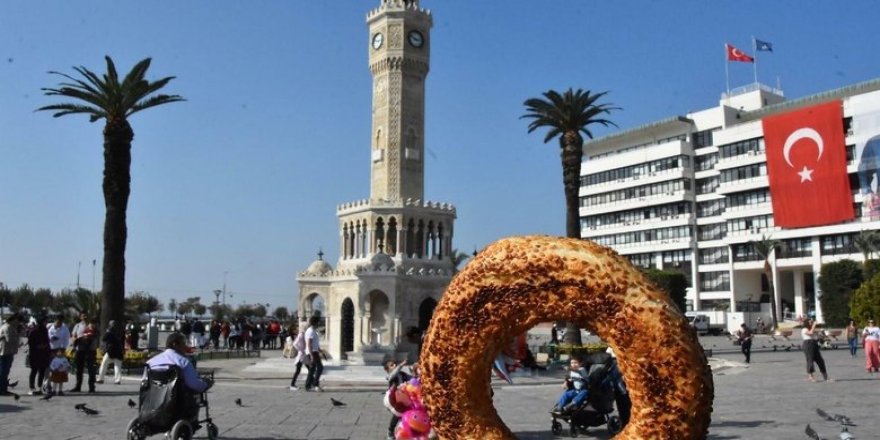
{"x":244,"y":177}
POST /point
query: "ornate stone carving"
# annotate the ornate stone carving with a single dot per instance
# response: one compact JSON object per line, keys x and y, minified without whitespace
{"x":395,"y":36}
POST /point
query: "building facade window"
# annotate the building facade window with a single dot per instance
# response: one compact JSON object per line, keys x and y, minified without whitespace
{"x":796,"y":248}
{"x":715,"y":281}
{"x":670,"y":187}
{"x":641,"y":237}
{"x":748,"y":199}
{"x":707,"y":185}
{"x":703,"y":138}
{"x":744,"y":173}
{"x":839,"y":244}
{"x":636,"y":171}
{"x":745,"y":252}
{"x":712,"y":232}
{"x":705,"y":162}
{"x":750,"y":146}
{"x":754,"y":224}
{"x":645,"y":261}
{"x":636,"y":216}
{"x":711,"y":208}
{"x":714,"y":255}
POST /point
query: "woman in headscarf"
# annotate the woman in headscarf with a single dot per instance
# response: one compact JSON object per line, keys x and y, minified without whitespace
{"x":39,"y":354}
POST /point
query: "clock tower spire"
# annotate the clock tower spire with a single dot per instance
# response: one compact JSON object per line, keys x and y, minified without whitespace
{"x":399,"y":48}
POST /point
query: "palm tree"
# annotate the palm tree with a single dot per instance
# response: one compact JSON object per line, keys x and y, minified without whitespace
{"x":867,"y":242}
{"x":567,"y":116}
{"x":765,"y":248}
{"x":114,"y":101}
{"x":457,"y":258}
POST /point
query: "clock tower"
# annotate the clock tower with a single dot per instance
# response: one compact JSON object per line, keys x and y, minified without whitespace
{"x":399,"y":48}
{"x":394,"y":247}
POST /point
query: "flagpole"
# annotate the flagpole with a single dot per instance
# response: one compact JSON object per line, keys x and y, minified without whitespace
{"x":755,"y":62}
{"x":727,"y":71}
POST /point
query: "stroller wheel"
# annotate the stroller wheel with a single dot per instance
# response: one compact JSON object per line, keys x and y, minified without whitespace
{"x":556,"y":428}
{"x":574,"y":429}
{"x":213,"y":432}
{"x":181,"y":430}
{"x":614,"y":425}
{"x":135,"y":431}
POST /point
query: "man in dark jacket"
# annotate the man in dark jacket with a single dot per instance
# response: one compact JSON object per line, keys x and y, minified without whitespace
{"x":85,"y":342}
{"x":114,"y":350}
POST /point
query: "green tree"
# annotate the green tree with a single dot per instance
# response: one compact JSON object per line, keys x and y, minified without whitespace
{"x":765,"y":248}
{"x":220,"y":311}
{"x":200,"y":309}
{"x":868,"y":243}
{"x":114,"y":101}
{"x":142,"y":303}
{"x":260,"y":311}
{"x":673,"y":282}
{"x":21,"y":298}
{"x":172,"y":306}
{"x":838,"y":280}
{"x":5,"y":297}
{"x":245,"y":310}
{"x":281,"y":313}
{"x":865,"y":302}
{"x":567,"y":116}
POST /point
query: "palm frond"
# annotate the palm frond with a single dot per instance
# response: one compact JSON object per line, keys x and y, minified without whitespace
{"x":108,"y":98}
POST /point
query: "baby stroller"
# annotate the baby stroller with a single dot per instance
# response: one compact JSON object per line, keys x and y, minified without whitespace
{"x":167,"y":406}
{"x":605,"y":386}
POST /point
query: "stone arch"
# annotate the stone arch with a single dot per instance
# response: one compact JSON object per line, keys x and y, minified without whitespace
{"x":411,"y":238}
{"x":391,"y":237}
{"x":346,"y":313}
{"x":426,"y":311}
{"x":311,"y":303}
{"x":378,"y":235}
{"x":380,"y":318}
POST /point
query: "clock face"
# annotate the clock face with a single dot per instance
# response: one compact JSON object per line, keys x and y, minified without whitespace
{"x":377,"y":40}
{"x":416,"y":39}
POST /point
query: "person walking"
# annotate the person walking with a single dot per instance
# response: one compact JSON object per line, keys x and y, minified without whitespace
{"x":298,"y":345}
{"x":871,"y":333}
{"x":9,"y":338}
{"x":85,"y":342}
{"x":810,"y":335}
{"x":313,"y":356}
{"x":114,"y":351}
{"x":39,"y":355}
{"x":745,"y":341}
{"x":852,"y":337}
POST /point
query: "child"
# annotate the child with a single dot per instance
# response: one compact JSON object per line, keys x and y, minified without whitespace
{"x":58,"y":372}
{"x":575,"y":386}
{"x":395,"y":377}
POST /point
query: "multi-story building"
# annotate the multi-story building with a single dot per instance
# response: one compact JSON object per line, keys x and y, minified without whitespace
{"x":693,"y":193}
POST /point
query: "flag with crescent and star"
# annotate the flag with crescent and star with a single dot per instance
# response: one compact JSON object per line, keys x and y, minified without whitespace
{"x":806,"y":166}
{"x":734,"y":54}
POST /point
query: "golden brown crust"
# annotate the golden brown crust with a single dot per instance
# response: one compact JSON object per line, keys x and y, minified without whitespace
{"x":519,"y":282}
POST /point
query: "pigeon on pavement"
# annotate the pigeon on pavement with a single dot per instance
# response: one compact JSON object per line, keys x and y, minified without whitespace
{"x":131,"y":403}
{"x":336,"y":402}
{"x":238,"y":402}
{"x":811,"y":433}
{"x":46,"y":397}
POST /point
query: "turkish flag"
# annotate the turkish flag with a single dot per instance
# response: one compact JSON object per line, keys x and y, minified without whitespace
{"x":734,"y":54}
{"x":806,"y":166}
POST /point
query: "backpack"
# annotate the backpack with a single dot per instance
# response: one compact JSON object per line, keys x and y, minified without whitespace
{"x":300,"y":342}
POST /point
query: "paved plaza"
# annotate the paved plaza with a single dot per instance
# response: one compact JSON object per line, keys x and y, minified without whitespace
{"x":769,"y":398}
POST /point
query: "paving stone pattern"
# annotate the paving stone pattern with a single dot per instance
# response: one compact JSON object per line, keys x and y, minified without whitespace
{"x":769,"y":398}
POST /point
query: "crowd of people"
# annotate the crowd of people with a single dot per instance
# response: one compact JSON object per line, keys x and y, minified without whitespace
{"x":240,"y":333}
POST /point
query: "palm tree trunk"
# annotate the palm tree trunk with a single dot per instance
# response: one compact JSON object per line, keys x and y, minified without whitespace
{"x":572,"y":154}
{"x":774,"y":313}
{"x":117,"y":187}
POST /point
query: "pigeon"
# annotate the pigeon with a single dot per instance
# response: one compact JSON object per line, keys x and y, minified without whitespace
{"x":845,"y":435}
{"x":824,"y":415}
{"x":774,"y":347}
{"x":46,"y":397}
{"x":336,"y":402}
{"x":12,"y":384}
{"x":15,"y":396}
{"x":131,"y":403}
{"x":811,"y":433}
{"x":238,"y":402}
{"x":788,"y":348}
{"x":88,"y":411}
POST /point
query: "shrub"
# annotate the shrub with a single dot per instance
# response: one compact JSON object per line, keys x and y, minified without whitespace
{"x":673,"y":282}
{"x":865,"y":302}
{"x":838,"y":280}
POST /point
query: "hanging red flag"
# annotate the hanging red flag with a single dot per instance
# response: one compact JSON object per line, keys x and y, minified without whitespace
{"x":734,"y":54}
{"x":806,"y":166}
